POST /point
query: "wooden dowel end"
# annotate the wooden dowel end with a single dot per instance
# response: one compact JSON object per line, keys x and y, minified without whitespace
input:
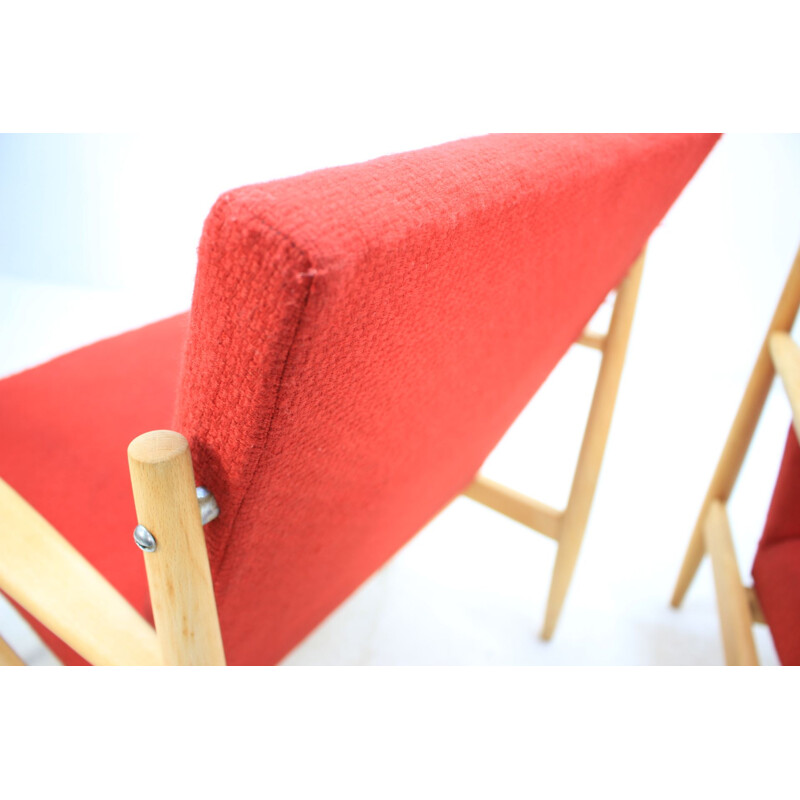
{"x":178,"y":572}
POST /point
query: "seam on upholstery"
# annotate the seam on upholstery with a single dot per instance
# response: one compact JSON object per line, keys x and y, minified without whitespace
{"x":311,"y":274}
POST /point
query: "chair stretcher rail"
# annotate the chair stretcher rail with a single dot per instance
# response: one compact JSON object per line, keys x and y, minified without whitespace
{"x":520,"y":507}
{"x":596,"y":341}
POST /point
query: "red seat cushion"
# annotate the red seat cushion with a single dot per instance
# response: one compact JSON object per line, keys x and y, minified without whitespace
{"x":64,"y":430}
{"x":776,"y":568}
{"x":362,"y":337}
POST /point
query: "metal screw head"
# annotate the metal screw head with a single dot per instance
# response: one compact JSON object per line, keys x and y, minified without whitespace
{"x":144,"y":539}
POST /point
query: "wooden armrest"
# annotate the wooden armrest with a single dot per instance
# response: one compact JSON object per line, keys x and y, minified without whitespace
{"x":50,"y":579}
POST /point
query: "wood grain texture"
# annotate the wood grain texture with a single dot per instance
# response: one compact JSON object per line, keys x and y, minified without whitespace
{"x":735,"y":619}
{"x":51,"y":580}
{"x":178,"y":573}
{"x":590,"y":458}
{"x":742,"y":429}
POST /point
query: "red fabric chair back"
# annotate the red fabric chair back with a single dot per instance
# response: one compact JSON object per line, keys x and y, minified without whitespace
{"x":361,"y":338}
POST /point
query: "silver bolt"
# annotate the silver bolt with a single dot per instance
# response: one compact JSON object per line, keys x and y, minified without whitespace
{"x":209,"y":510}
{"x":144,"y":539}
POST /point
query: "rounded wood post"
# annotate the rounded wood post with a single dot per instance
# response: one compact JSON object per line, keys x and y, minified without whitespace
{"x":178,"y":573}
{"x":587,"y":471}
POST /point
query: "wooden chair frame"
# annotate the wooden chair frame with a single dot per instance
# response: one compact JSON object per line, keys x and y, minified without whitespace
{"x":738,"y":604}
{"x":53,"y":582}
{"x":567,"y":527}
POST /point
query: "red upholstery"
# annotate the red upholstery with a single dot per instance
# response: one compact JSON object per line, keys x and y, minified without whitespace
{"x":776,"y":568}
{"x":64,"y":429}
{"x":360,"y":339}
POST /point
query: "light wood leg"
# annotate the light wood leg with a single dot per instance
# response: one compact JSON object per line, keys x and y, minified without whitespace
{"x":8,"y":658}
{"x":734,"y":608}
{"x":741,"y":433}
{"x":181,"y":590}
{"x":590,"y":459}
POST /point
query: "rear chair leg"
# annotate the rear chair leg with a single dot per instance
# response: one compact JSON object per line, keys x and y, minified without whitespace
{"x":576,"y":514}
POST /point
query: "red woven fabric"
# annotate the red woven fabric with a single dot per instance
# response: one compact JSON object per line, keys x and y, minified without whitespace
{"x":360,"y":339}
{"x":776,"y":568}
{"x":64,"y":430}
